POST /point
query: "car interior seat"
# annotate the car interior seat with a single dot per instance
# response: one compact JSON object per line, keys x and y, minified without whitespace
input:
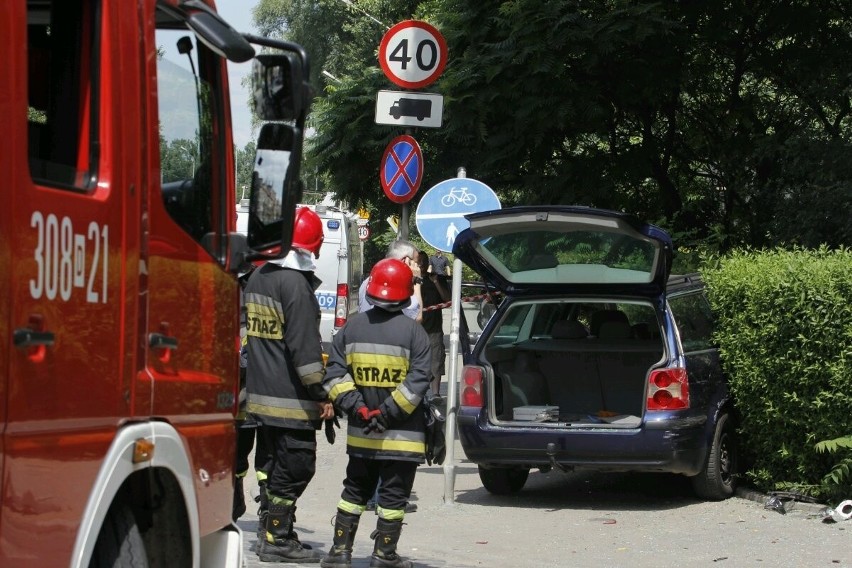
{"x":609,"y":316}
{"x":569,"y":329}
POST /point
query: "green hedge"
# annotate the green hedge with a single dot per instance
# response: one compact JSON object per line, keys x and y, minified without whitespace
{"x":785,"y":335}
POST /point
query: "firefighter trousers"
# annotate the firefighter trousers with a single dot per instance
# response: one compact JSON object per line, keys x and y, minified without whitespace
{"x":245,"y":442}
{"x":293,"y":461}
{"x":395,"y":479}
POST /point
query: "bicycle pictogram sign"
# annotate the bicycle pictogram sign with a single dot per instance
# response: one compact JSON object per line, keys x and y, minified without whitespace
{"x":441,"y":212}
{"x":458,"y":195}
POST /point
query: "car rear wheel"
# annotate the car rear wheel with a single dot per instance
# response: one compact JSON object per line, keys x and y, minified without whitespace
{"x":503,"y":480}
{"x":718,"y":480}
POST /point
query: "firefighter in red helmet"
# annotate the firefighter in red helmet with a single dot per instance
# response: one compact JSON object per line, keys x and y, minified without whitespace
{"x":284,"y":373}
{"x":378,"y":373}
{"x":307,"y":231}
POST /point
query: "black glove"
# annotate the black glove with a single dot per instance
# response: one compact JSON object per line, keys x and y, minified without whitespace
{"x":330,"y":434}
{"x":377,"y":422}
{"x":392,"y":414}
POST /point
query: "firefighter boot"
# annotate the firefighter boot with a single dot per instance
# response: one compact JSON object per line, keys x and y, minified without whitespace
{"x":239,"y":507}
{"x":278,"y":546}
{"x":345,"y":527}
{"x":262,"y":511}
{"x":386,"y":536}
{"x":293,"y":535}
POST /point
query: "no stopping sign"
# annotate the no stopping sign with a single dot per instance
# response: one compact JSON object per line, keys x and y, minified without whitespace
{"x":413,"y":54}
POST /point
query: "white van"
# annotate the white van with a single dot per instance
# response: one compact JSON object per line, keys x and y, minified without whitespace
{"x":340,"y":266}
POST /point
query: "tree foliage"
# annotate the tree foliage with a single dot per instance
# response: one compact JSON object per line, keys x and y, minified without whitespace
{"x":726,"y":122}
{"x":244,"y":159}
{"x":178,"y":159}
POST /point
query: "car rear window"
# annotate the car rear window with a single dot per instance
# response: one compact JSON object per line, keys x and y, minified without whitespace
{"x":571,"y":319}
{"x":577,"y":256}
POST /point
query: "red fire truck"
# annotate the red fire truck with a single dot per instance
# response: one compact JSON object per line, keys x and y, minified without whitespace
{"x":118,"y":274}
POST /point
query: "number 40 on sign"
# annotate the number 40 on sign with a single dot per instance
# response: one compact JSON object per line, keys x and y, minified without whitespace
{"x":413,"y":54}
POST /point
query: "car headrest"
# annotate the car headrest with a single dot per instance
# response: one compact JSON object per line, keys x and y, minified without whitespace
{"x":601,"y":316}
{"x":568,"y":329}
{"x":644,"y":330}
{"x":615,"y":330}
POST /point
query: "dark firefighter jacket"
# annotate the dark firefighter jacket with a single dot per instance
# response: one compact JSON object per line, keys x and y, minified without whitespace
{"x":382,"y":359}
{"x":285,"y":366}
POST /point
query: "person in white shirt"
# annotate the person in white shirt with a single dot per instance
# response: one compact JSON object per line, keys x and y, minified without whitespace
{"x":408,"y":253}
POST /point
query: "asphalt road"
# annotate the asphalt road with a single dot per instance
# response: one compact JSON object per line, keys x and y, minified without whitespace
{"x":578,"y":519}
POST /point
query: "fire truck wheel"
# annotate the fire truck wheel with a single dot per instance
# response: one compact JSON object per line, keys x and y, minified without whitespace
{"x":119,"y":542}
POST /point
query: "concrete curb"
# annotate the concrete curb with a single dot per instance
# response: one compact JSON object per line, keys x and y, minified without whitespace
{"x":791,"y":506}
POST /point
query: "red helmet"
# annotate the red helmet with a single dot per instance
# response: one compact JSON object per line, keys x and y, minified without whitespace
{"x":307,"y":231}
{"x":390,"y":285}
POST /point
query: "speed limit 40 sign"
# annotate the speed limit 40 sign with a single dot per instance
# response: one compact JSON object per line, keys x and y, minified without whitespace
{"x":413,"y":54}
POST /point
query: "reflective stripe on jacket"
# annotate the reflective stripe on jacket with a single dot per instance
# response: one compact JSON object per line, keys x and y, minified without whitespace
{"x":285,"y":366}
{"x":382,"y":359}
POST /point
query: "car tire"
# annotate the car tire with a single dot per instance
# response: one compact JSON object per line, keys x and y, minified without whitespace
{"x":503,"y":480}
{"x":718,"y":480}
{"x":119,"y":543}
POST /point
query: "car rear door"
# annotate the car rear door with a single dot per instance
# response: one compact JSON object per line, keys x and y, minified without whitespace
{"x":578,"y":250}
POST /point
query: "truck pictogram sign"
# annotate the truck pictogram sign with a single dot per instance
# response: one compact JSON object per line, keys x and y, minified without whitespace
{"x":405,"y":108}
{"x":420,"y":108}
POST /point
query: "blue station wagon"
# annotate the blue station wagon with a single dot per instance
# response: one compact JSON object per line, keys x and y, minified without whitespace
{"x":596,"y":358}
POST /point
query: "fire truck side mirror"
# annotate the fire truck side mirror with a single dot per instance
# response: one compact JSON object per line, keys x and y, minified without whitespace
{"x":216,"y":33}
{"x":275,"y":188}
{"x":280,"y":88}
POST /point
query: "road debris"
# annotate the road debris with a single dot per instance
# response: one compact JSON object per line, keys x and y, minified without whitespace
{"x":843,"y":512}
{"x":775,"y":503}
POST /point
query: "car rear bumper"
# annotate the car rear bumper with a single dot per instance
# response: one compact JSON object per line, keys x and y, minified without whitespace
{"x":670,"y":444}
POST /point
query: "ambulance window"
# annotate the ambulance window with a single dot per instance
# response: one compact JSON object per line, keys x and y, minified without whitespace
{"x":63,"y":39}
{"x":189,"y":168}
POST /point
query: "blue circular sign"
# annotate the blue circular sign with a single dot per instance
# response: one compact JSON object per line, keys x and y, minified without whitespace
{"x":402,"y":169}
{"x":440,"y":213}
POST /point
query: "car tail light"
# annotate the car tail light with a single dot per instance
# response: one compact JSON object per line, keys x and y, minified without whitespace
{"x":472,"y":379}
{"x":341,"y":310}
{"x":668,"y":389}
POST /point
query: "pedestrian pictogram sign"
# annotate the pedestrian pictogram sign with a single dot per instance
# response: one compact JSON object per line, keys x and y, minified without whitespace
{"x":440,"y":213}
{"x":413,"y":54}
{"x":401,"y":169}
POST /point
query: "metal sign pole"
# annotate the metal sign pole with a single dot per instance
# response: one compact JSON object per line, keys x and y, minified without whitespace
{"x":403,"y":223}
{"x":452,"y":386}
{"x":402,"y":234}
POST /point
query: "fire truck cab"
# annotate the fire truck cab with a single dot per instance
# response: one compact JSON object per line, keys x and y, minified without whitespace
{"x":119,"y":258}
